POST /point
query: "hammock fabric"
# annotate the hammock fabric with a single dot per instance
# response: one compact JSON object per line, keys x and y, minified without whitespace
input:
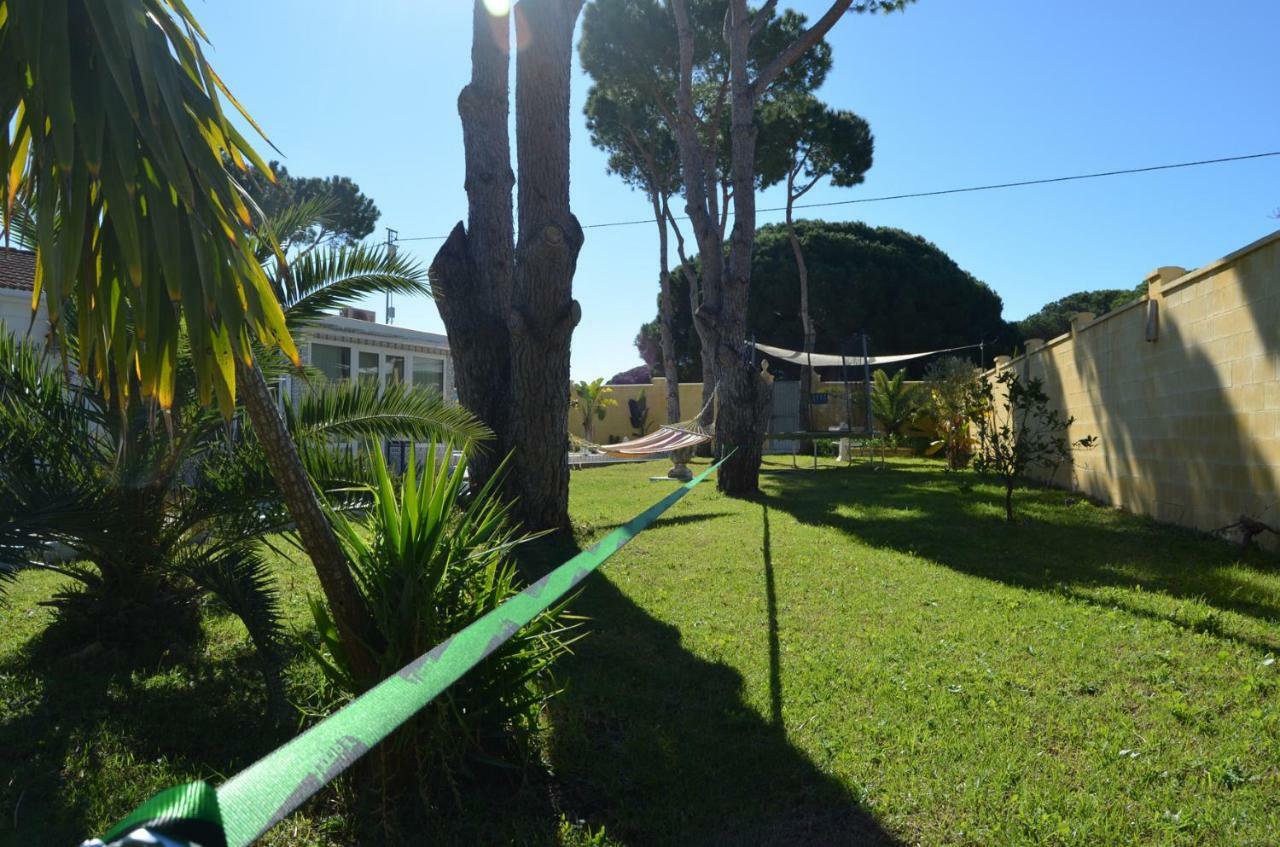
{"x":664,"y":439}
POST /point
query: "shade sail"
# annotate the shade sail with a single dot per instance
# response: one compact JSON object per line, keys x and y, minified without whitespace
{"x":827,"y":360}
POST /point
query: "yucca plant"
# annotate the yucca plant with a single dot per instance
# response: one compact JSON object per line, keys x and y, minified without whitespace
{"x":428,"y":562}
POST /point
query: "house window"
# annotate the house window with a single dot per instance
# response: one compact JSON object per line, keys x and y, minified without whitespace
{"x":395,"y":369}
{"x":428,"y":372}
{"x":332,"y":361}
{"x":368,"y":367}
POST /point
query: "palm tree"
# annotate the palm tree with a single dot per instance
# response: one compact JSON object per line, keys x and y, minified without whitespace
{"x":111,"y":121}
{"x":149,"y":510}
{"x":592,"y":400}
{"x":111,"y":124}
{"x":894,"y":403}
{"x":307,"y":284}
{"x":123,"y":473}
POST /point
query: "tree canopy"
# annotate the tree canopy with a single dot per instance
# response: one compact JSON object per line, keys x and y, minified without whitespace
{"x":905,"y":292}
{"x":1055,"y":318}
{"x":348,"y":215}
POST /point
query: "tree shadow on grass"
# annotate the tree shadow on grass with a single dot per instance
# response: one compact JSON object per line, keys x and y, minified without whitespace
{"x":69,"y":729}
{"x":674,"y":520}
{"x":659,"y":746}
{"x":1059,"y":543}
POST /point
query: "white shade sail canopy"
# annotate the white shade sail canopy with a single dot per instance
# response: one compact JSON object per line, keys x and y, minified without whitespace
{"x":827,"y":360}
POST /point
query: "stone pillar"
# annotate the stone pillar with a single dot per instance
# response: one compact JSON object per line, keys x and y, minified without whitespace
{"x":1156,"y":281}
{"x":1080,"y":320}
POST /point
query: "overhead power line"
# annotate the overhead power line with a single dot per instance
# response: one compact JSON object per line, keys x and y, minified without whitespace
{"x":944,"y":191}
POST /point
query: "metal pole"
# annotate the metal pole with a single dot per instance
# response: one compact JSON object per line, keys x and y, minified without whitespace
{"x":806,"y":380}
{"x":982,"y":354}
{"x":844,"y":377}
{"x":392,"y":237}
{"x":866,"y":381}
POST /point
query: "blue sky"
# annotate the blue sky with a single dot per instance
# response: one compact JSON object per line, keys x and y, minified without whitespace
{"x":956,"y":93}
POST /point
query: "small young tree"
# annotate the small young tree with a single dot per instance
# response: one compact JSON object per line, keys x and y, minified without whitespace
{"x":592,"y":399}
{"x":894,"y":403}
{"x":1017,"y":430}
{"x":951,"y":386}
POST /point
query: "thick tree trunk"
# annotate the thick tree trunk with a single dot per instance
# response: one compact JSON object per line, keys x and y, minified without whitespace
{"x":350,"y":614}
{"x":508,"y":307}
{"x":474,"y":270}
{"x":725,"y":295}
{"x":746,"y":393}
{"x":666,"y":316}
{"x":543,"y":313}
{"x":701,"y":204}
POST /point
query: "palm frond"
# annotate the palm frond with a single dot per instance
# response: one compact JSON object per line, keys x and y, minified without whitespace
{"x":360,"y":410}
{"x":324,"y":280}
{"x":111,"y":120}
{"x":240,"y":578}
{"x":286,"y":225}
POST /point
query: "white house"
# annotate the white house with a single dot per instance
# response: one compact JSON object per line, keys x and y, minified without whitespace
{"x":17,"y":278}
{"x":354,"y":345}
{"x":351,"y":345}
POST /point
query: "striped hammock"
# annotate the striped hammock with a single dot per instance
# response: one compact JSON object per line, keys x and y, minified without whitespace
{"x":664,"y":439}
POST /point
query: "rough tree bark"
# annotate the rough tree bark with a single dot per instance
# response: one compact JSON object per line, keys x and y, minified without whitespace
{"x":704,"y":340}
{"x":507,"y":305}
{"x":474,"y":270}
{"x":806,"y":320}
{"x":739,"y":424}
{"x":350,"y":614}
{"x":725,"y":294}
{"x":666,"y":316}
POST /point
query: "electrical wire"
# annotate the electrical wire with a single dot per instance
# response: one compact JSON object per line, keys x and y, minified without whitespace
{"x":941,"y":192}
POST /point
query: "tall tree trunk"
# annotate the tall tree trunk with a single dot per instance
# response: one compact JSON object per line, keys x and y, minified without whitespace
{"x":806,"y":321}
{"x":474,"y":271}
{"x":700,"y":203}
{"x":705,"y":345}
{"x":739,"y":425}
{"x":508,"y":306}
{"x":666,"y":310}
{"x":543,"y":313}
{"x":350,"y":614}
{"x":725,"y":295}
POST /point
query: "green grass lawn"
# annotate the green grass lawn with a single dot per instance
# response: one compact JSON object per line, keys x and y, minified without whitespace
{"x":856,"y":657}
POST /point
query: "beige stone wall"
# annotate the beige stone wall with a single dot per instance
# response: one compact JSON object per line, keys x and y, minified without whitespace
{"x":617,"y":422}
{"x":1188,"y":420}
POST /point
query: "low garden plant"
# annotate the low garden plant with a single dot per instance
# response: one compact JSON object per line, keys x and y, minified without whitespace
{"x":1017,"y":431}
{"x":429,"y":560}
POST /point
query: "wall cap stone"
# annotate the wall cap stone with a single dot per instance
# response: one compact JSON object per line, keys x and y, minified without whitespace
{"x":1214,"y":267}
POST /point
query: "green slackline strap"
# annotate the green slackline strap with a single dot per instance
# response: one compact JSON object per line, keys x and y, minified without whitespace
{"x":260,"y":796}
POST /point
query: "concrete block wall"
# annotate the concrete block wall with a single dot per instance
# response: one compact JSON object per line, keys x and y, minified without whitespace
{"x":1182,"y":390}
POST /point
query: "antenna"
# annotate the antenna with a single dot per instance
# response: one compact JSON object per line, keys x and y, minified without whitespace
{"x":392,"y":237}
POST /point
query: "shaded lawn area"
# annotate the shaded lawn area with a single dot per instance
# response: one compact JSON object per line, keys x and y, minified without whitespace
{"x":856,"y":657}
